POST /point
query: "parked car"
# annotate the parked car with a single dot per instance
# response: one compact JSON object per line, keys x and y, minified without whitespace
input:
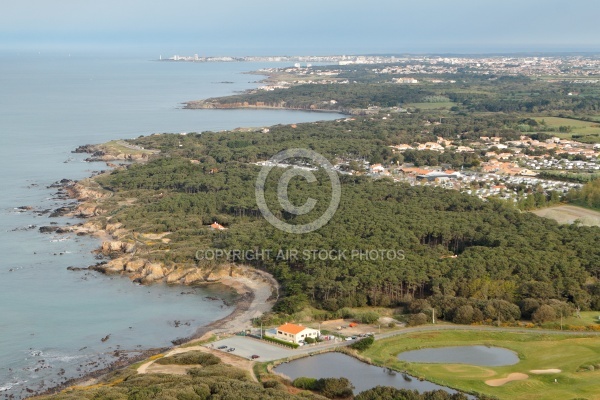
{"x":229,"y":350}
{"x":254,"y":356}
{"x":222,"y":347}
{"x":348,"y":339}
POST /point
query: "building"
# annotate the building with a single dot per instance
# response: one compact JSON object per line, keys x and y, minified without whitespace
{"x":217,"y":226}
{"x":296,"y":333}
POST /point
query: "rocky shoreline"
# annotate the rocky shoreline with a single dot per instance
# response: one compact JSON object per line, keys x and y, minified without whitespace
{"x":119,"y":254}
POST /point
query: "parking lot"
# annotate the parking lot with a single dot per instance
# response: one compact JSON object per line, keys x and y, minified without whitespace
{"x":246,"y":347}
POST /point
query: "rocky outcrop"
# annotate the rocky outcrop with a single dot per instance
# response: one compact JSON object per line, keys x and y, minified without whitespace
{"x":117,"y":157}
{"x":152,"y":273}
{"x":146,"y":272}
{"x":117,"y":246}
{"x":134,"y":265}
{"x":86,"y":148}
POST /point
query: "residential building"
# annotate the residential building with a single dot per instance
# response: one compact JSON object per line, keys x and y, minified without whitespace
{"x":296,"y":333}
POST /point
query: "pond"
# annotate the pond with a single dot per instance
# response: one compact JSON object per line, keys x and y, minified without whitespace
{"x":363,"y":376}
{"x":474,"y":355}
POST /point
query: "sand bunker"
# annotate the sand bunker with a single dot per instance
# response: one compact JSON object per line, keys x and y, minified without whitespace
{"x":515,"y":376}
{"x":545,"y":371}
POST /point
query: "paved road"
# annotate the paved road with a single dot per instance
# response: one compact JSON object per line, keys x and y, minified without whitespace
{"x":271,"y":352}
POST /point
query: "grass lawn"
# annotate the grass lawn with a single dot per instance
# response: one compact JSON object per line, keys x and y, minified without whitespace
{"x":536,"y":351}
{"x":587,"y":318}
{"x":584,"y":131}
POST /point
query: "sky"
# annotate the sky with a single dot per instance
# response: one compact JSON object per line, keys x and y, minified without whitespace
{"x":269,"y":27}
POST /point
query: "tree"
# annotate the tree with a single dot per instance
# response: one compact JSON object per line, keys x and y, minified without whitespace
{"x":369,"y":317}
{"x":417,"y":319}
{"x":528,"y":306}
{"x":544,"y":314}
{"x":463,"y":315}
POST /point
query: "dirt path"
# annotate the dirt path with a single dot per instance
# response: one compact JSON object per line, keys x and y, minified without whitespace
{"x":260,"y":296}
{"x":227,"y":358}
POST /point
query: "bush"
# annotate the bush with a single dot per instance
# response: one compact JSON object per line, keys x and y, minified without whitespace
{"x":418,"y":306}
{"x":190,"y":358}
{"x":417,"y":319}
{"x":305,"y":383}
{"x":544,"y":314}
{"x":363,"y":344}
{"x":528,"y":306}
{"x":283,"y":342}
{"x":310,"y":340}
{"x":463,"y":315}
{"x":273,"y":385}
{"x":334,"y":387}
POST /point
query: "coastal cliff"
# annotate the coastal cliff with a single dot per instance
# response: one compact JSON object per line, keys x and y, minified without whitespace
{"x":121,"y":249}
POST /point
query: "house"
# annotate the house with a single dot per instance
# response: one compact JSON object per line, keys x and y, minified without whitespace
{"x":431,"y":146}
{"x":217,"y":226}
{"x":296,"y":333}
{"x":402,"y":147}
{"x":464,"y":149}
{"x":439,"y":176}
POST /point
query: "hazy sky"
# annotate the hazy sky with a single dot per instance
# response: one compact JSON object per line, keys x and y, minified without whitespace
{"x":310,"y":26}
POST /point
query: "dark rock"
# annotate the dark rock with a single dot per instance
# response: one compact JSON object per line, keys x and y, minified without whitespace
{"x":61,"y":211}
{"x":48,"y":229}
{"x":77,"y":269}
{"x":86,"y":148}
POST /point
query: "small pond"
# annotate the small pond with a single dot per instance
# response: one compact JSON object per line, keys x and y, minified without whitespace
{"x":363,"y":376}
{"x":474,"y":355}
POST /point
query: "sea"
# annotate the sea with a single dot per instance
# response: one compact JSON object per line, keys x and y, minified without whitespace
{"x":57,"y":324}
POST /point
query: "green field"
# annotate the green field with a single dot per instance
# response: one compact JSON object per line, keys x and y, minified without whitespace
{"x":431,"y":106}
{"x":536,"y":351}
{"x":582,"y":131}
{"x":588,"y":318}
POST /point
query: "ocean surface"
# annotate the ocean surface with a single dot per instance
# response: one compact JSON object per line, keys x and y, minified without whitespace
{"x":52,"y":320}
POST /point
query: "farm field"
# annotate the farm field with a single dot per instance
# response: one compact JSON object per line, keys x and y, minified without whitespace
{"x":582,"y":131}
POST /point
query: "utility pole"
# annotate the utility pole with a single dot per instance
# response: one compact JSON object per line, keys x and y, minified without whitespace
{"x":433,"y":315}
{"x":261,"y":330}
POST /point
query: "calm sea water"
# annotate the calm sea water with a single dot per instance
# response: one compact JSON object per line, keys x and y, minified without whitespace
{"x":52,"y":319}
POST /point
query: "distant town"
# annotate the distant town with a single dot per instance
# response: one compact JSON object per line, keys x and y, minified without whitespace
{"x":575,"y":65}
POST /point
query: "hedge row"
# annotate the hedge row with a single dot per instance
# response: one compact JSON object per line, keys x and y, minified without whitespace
{"x":279,"y":341}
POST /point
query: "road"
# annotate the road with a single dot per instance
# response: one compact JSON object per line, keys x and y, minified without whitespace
{"x":432,"y":328}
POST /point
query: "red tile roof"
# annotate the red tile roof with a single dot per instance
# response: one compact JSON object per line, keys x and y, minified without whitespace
{"x":291,"y":328}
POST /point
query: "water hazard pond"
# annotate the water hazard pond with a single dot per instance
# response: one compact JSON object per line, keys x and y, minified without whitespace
{"x":474,"y":355}
{"x":363,"y":376}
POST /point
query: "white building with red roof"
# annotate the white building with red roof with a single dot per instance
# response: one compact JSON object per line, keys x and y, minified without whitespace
{"x":296,"y":333}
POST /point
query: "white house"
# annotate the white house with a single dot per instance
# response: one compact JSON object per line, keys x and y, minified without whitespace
{"x":296,"y":333}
